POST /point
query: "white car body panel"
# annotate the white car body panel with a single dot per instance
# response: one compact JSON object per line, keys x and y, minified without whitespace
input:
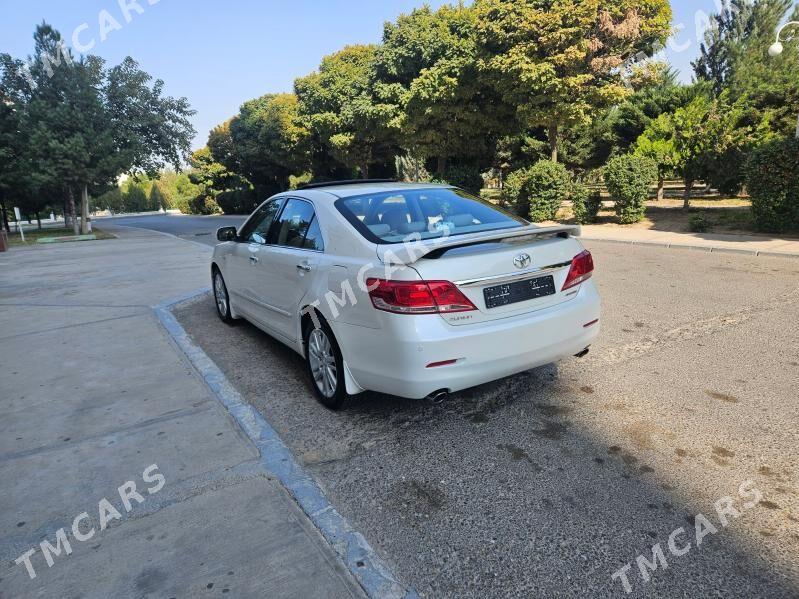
{"x":388,"y":352}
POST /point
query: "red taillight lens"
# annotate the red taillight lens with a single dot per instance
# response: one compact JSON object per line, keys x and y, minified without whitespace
{"x":417,"y":297}
{"x":581,"y":270}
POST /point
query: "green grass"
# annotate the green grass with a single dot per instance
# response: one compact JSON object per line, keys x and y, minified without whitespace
{"x":31,"y":236}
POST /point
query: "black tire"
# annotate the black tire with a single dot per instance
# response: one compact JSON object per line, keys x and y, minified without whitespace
{"x":221,"y":297}
{"x":331,"y":394}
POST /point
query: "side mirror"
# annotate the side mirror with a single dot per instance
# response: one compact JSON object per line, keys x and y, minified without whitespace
{"x":227,"y":234}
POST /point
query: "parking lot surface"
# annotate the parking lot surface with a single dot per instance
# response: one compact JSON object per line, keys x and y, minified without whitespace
{"x":549,"y":482}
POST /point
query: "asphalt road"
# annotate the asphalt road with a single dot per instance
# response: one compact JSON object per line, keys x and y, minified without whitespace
{"x":194,"y":228}
{"x":546,"y":483}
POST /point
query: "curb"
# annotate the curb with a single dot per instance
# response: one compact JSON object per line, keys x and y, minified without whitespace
{"x":696,"y":248}
{"x":365,"y":565}
{"x":67,"y":239}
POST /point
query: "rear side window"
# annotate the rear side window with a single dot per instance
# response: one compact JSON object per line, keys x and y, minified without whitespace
{"x":390,"y":217}
{"x":313,"y":240}
{"x":296,"y":227}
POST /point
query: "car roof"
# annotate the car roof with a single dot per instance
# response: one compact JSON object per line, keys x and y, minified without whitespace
{"x":356,"y":189}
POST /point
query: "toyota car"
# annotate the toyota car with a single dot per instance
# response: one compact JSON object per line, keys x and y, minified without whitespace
{"x":415,"y":290}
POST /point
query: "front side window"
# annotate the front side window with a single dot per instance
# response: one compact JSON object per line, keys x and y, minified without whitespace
{"x":257,"y":228}
{"x":296,"y":227}
{"x":390,"y":217}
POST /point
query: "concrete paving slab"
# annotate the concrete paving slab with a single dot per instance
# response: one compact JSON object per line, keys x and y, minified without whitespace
{"x":93,"y":392}
{"x":194,"y":548}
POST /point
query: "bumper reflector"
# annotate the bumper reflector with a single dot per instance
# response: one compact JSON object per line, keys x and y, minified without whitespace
{"x":444,"y":363}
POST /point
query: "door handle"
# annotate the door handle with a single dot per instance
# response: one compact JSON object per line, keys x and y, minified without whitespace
{"x":304,"y":267}
{"x":254,"y":259}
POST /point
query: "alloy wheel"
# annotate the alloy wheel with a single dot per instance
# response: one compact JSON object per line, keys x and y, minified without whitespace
{"x":220,"y":293}
{"x":323,"y":363}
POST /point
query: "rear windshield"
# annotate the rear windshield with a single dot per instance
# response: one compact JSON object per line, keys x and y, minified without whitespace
{"x":390,"y":217}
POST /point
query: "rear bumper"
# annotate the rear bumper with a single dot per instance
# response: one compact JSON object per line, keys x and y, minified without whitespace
{"x":394,"y":359}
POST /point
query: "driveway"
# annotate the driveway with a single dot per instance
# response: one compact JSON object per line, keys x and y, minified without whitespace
{"x":549,"y":482}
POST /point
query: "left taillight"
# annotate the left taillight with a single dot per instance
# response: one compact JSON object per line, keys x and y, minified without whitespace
{"x":581,"y":270}
{"x":418,"y":297}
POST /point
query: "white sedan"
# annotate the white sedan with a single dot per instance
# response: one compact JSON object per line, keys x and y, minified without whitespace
{"x":416,"y":290}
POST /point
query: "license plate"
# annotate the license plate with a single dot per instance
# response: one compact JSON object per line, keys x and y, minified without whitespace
{"x":514,"y":293}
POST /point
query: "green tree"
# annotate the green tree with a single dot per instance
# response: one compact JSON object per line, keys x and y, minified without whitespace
{"x":211,"y":184}
{"x":15,"y":167}
{"x":735,"y":61}
{"x":559,"y":61}
{"x":88,"y":125}
{"x":427,"y":65}
{"x":738,"y":28}
{"x":158,"y":198}
{"x":267,"y":137}
{"x":344,"y":115}
{"x":658,"y":143}
{"x":659,"y":94}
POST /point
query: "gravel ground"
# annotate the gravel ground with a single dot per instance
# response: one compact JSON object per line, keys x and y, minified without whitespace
{"x":546,"y":483}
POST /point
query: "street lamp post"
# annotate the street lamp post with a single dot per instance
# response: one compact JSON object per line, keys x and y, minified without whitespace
{"x":777,"y":48}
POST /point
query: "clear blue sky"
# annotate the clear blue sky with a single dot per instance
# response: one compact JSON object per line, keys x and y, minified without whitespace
{"x":220,"y":54}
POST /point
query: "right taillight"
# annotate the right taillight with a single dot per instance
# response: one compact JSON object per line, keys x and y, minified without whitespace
{"x":417,"y":297}
{"x":581,"y":270}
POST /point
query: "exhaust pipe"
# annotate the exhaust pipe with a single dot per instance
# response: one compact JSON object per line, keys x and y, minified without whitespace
{"x":439,"y":396}
{"x":583,"y":353}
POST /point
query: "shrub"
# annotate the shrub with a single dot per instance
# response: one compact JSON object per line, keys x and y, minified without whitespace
{"x":585,"y":204}
{"x":537,"y":192}
{"x":772,"y":178}
{"x":698,"y":224}
{"x":204,"y":204}
{"x":113,"y":200}
{"x":628,"y":179}
{"x":237,"y":201}
{"x":135,"y":199}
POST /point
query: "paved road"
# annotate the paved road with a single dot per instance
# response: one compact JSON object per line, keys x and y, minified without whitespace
{"x":194,"y":228}
{"x":547,"y":483}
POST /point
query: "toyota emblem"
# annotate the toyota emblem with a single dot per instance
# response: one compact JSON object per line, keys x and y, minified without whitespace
{"x":522,"y":261}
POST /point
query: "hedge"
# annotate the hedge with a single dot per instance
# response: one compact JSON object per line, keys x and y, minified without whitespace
{"x":772,"y":179}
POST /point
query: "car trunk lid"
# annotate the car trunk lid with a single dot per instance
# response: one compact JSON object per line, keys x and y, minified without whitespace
{"x":502,"y":275}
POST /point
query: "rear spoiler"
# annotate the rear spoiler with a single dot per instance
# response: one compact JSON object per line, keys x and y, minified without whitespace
{"x":412,"y":251}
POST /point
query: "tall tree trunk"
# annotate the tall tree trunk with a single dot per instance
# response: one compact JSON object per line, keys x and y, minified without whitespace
{"x":686,"y":198}
{"x":84,"y":211}
{"x":5,"y":216}
{"x":73,"y":219}
{"x":364,"y":170}
{"x":661,"y":188}
{"x":441,"y":167}
{"x":38,"y":220}
{"x":553,"y":141}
